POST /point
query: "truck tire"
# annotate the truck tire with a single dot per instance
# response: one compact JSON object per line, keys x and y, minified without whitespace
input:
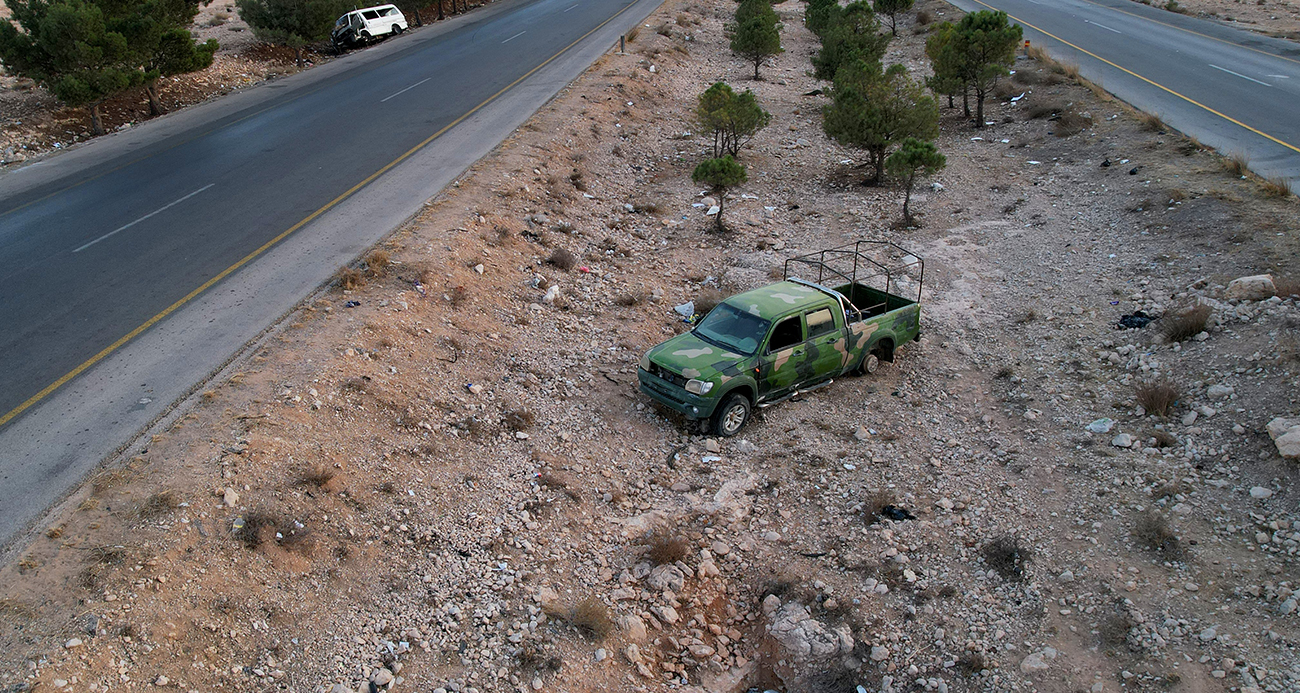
{"x":870,"y":364}
{"x":731,"y":415}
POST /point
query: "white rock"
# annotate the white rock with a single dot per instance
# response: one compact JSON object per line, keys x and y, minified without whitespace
{"x":600,"y":654}
{"x":382,"y":677}
{"x":879,"y":653}
{"x":161,"y":680}
{"x":1261,"y":492}
{"x":1189,"y":418}
{"x":1034,"y":663}
{"x":230,"y":497}
{"x":1286,"y":436}
{"x":633,"y":628}
{"x":1219,"y":391}
{"x":1209,"y":634}
{"x":1253,"y":288}
{"x":633,"y":654}
{"x":803,"y":636}
{"x":73,"y":643}
{"x":1067,"y":576}
{"x":1287,"y":607}
{"x":1122,"y":440}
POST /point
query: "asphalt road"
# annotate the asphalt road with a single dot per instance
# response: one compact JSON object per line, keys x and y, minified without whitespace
{"x":145,"y":254}
{"x":1231,"y":89}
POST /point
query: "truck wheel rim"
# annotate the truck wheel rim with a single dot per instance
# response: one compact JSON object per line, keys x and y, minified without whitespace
{"x":734,"y":419}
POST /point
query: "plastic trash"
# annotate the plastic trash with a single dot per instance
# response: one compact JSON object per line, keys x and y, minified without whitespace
{"x":352,"y":304}
{"x":1102,"y":425}
{"x":1134,"y":321}
{"x":686,"y":310}
{"x":895,"y":513}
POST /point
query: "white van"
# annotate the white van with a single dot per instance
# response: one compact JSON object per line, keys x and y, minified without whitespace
{"x":369,"y":24}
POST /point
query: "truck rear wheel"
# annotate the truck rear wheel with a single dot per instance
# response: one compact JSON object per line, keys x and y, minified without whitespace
{"x":731,"y":415}
{"x":870,"y":364}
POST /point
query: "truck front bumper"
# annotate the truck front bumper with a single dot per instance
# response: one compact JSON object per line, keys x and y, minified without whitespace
{"x":676,"y":398}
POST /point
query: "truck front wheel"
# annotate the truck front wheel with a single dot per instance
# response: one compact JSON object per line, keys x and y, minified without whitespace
{"x":731,"y":415}
{"x":870,"y":364}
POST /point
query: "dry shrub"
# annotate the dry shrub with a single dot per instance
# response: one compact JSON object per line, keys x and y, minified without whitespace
{"x":1027,"y":77}
{"x":874,"y":507}
{"x":1006,"y":90}
{"x":1157,"y":396}
{"x":647,"y":207}
{"x":627,"y":300}
{"x":458,"y":296}
{"x":101,"y":557}
{"x":633,"y":33}
{"x":683,"y":20}
{"x":1004,"y":373}
{"x":519,"y":419}
{"x":1286,"y":287}
{"x":1152,"y":532}
{"x":666,"y":547}
{"x":1165,"y":439}
{"x":664,"y":29}
{"x":1114,"y":629}
{"x":1181,"y":324}
{"x":254,"y":528}
{"x":377,"y":262}
{"x":1071,"y":122}
{"x":972,"y":663}
{"x":557,"y":482}
{"x":159,"y":504}
{"x":1070,"y":71}
{"x":1237,"y":163}
{"x":293,"y":537}
{"x":1151,"y":122}
{"x":109,"y":479}
{"x":350,"y":278}
{"x":707,"y":300}
{"x":532,"y":661}
{"x":1008,"y":556}
{"x":317,"y":476}
{"x":591,"y":618}
{"x":1044,"y":109}
{"x":1275,"y":187}
{"x":578,"y":183}
{"x":924,"y":17}
{"x":562,"y":259}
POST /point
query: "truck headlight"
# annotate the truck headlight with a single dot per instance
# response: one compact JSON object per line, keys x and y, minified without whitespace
{"x":698,"y":387}
{"x":645,"y":362}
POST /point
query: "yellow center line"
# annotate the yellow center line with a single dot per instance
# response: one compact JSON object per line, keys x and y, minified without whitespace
{"x":285,"y":234}
{"x":1196,"y":33}
{"x":1153,"y":83}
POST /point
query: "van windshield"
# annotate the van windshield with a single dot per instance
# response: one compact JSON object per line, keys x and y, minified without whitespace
{"x":729,"y":327}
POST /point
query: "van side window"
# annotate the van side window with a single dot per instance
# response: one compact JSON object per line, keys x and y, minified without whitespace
{"x":820,"y":322}
{"x":787,"y":333}
{"x":370,"y":15}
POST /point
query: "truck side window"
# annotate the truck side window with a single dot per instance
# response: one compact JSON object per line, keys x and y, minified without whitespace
{"x":820,"y":322}
{"x":787,"y":333}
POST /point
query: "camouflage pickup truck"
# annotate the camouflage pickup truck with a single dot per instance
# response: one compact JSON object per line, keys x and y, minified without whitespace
{"x":767,"y":345}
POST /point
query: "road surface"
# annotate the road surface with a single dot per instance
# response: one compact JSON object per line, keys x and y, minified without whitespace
{"x":1231,"y":89}
{"x":133,"y":267}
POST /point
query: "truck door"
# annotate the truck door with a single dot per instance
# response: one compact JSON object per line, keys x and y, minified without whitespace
{"x":827,"y":347}
{"x":783,"y":358}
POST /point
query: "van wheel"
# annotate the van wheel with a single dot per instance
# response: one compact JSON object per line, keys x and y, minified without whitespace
{"x":731,"y":415}
{"x":364,"y":37}
{"x":396,"y":30}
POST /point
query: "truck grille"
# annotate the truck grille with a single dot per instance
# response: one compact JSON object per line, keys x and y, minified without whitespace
{"x":667,"y":375}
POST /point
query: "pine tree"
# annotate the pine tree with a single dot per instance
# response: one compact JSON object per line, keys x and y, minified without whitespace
{"x":913,"y":159}
{"x":293,"y":23}
{"x":732,"y":118}
{"x":758,"y":36}
{"x":854,"y":35}
{"x":945,"y":62}
{"x":891,"y":9}
{"x":875,"y":111}
{"x":986,"y":45}
{"x":158,"y":34}
{"x":820,"y":15}
{"x":67,"y":46}
{"x":719,"y":174}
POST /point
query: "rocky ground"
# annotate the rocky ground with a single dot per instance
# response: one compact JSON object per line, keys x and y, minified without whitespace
{"x":1277,"y":18}
{"x":441,"y":479}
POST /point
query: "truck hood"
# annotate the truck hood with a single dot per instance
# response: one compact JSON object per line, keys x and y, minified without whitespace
{"x":693,"y":357}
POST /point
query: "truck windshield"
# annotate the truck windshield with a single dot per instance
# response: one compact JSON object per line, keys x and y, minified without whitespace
{"x":731,"y":328}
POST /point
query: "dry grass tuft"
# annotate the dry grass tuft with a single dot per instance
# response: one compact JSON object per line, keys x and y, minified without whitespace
{"x":291,"y":536}
{"x":159,"y":504}
{"x":591,"y":618}
{"x":252,"y":531}
{"x":972,"y":663}
{"x":1008,"y":556}
{"x":707,"y":300}
{"x":1044,"y":109}
{"x":874,"y":507}
{"x":1157,"y":396}
{"x":533,"y":661}
{"x":377,"y":262}
{"x":317,"y":476}
{"x":1114,"y":629}
{"x":633,"y":33}
{"x":1152,"y":532}
{"x":923,"y":17}
{"x":562,"y":259}
{"x":1165,"y":439}
{"x":667,"y":547}
{"x":558,"y":482}
{"x":1237,"y":163}
{"x":101,"y":558}
{"x":1151,"y":122}
{"x":1071,"y":122}
{"x":1181,"y":324}
{"x":109,"y":479}
{"x":350,"y":278}
{"x":458,"y":296}
{"x":1275,"y":187}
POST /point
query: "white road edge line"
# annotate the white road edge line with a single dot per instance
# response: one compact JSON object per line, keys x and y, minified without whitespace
{"x":1103,"y":26}
{"x":568,"y":9}
{"x":406,"y":89}
{"x":137,"y":221}
{"x":1279,"y":76}
{"x":1238,"y":74}
{"x":515,"y":36}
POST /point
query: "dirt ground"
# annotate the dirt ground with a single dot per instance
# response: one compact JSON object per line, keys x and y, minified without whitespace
{"x":440,"y":480}
{"x":1277,"y":18}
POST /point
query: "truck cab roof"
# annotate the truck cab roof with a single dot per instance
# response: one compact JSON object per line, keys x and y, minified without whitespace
{"x":774,"y":300}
